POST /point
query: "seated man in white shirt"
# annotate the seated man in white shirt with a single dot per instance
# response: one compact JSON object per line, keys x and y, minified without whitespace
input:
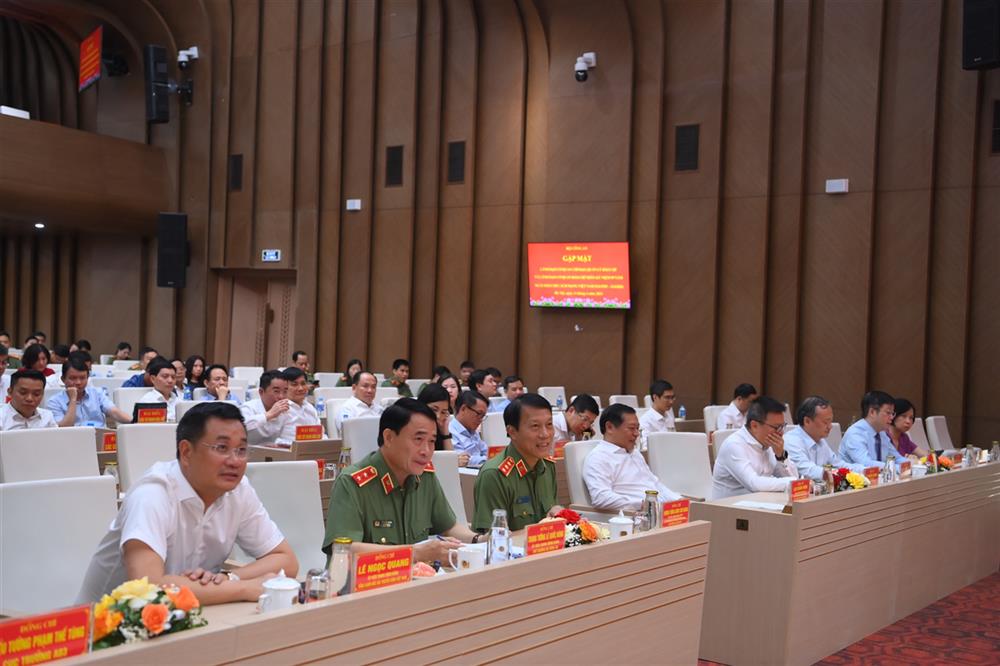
{"x":27,"y":388}
{"x":753,"y":459}
{"x":867,"y":441}
{"x":806,"y":445}
{"x":79,"y":405}
{"x":362,"y":401}
{"x":470,"y":410}
{"x":164,"y":378}
{"x":615,"y":472}
{"x":734,"y":416}
{"x":577,"y":422}
{"x":660,"y":417}
{"x":300,"y":411}
{"x":265,"y":416}
{"x":217,"y":385}
{"x":179,"y":522}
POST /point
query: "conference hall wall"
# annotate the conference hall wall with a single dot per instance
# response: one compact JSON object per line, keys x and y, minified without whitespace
{"x":742,"y":269}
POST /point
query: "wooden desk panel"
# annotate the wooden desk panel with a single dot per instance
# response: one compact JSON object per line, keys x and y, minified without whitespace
{"x":637,"y":599}
{"x":797,"y":587}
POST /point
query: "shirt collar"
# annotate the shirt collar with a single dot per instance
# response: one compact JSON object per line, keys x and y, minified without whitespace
{"x":462,"y":430}
{"x":512,"y":452}
{"x":184,"y":489}
{"x":745,"y":434}
{"x":377,"y":461}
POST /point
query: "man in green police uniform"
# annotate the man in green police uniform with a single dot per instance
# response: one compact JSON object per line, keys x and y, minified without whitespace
{"x":521,"y":479}
{"x":391,"y":497}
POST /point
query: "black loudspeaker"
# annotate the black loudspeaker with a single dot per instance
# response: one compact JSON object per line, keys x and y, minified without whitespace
{"x":157,"y":85}
{"x":171,"y":250}
{"x":980,"y":34}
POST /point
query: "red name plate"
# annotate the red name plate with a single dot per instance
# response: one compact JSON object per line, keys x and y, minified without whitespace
{"x":382,"y":569}
{"x":157,"y":415}
{"x":35,"y":640}
{"x":957,"y":459}
{"x":321,"y":463}
{"x":545,"y":537}
{"x":90,"y":58}
{"x":494,"y":451}
{"x":307,"y":433}
{"x":800,"y":490}
{"x":905,"y":472}
{"x":110,"y":442}
{"x":676,"y":513}
{"x":559,"y":450}
{"x":872,"y":473}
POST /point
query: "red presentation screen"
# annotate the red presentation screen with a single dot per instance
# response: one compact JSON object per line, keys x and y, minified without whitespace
{"x":578,"y":275}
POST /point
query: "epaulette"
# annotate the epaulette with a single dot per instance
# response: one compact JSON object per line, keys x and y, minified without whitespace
{"x":429,"y":467}
{"x":506,"y":466}
{"x":363,"y":476}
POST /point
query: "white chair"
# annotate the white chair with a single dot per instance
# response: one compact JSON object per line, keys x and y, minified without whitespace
{"x":50,"y":393}
{"x":327,"y":379}
{"x":446,"y":470}
{"x":718,"y":437}
{"x":555,"y":395}
{"x":47,"y":453}
{"x":105,"y":359}
{"x":388,"y":402}
{"x":333,"y":392}
{"x":379,"y":377}
{"x":142,"y":444}
{"x":711,"y":415}
{"x":109,"y":384}
{"x":680,"y":461}
{"x":184,"y":405}
{"x":576,"y":454}
{"x":383,"y":392}
{"x":415,"y":385}
{"x":101,"y":370}
{"x":331,"y":407}
{"x":125,"y":398}
{"x":122,"y":375}
{"x":251,"y":373}
{"x":918,"y":434}
{"x":494,"y":431}
{"x":937,"y":434}
{"x":121,"y":366}
{"x":361,"y":436}
{"x":289,"y":490}
{"x":51,"y":530}
{"x":56,"y":368}
{"x":647,"y":401}
{"x":833,"y":439}
{"x":496,"y":400}
{"x":788,"y":414}
{"x":630,"y":400}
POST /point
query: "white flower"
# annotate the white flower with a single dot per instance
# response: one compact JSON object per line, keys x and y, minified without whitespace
{"x":178,"y":615}
{"x":135,"y":603}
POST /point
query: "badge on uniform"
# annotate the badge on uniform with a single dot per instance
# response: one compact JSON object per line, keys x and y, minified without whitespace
{"x":382,"y":523}
{"x":522,"y":469}
{"x":387,"y":484}
{"x":523,"y":500}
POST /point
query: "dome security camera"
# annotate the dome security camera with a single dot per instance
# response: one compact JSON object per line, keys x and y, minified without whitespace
{"x":583,"y":64}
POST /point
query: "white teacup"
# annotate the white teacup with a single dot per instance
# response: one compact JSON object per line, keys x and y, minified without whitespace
{"x":467,"y":558}
{"x":620,"y":525}
{"x":279,"y":593}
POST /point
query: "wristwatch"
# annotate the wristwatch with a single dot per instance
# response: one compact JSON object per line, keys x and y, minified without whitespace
{"x":475,"y":539}
{"x":230,"y":575}
{"x":783,"y":457}
{"x":448,"y":436}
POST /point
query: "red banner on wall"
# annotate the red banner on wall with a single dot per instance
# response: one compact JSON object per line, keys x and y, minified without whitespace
{"x":90,"y":58}
{"x":578,"y":275}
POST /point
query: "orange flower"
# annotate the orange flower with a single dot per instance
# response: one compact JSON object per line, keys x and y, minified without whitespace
{"x":945,"y":462}
{"x":183,"y":598}
{"x":105,"y":619}
{"x":154,"y":616}
{"x":587,"y":531}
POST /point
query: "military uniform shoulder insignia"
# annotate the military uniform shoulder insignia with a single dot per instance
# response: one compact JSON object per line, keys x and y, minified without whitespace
{"x":363,"y":476}
{"x":429,"y":467}
{"x":506,"y":466}
{"x":387,"y":484}
{"x":551,"y":459}
{"x":522,"y":469}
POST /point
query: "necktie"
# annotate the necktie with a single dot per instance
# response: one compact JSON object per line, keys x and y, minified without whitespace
{"x":878,"y":447}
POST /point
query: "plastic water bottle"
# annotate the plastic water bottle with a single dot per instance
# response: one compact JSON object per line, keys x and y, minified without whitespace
{"x":682,"y":413}
{"x":320,"y":406}
{"x":188,"y":392}
{"x":247,"y":394}
{"x":111,"y":373}
{"x":498,"y":547}
{"x":559,"y":402}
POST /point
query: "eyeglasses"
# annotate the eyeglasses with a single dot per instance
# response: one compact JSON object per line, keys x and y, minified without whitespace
{"x":778,"y":429}
{"x":479,"y":414}
{"x":223,"y":451}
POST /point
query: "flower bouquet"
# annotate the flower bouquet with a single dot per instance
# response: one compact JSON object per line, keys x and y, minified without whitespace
{"x":845,"y":479}
{"x":580,"y":531}
{"x":943,"y":463}
{"x":137,"y":610}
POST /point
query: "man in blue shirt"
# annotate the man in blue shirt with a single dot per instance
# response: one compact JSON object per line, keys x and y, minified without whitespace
{"x":78,"y":405}
{"x":217,"y":385}
{"x":470,"y":410}
{"x":807,"y":446}
{"x":513,"y":388}
{"x":142,"y":380}
{"x":866,"y":442}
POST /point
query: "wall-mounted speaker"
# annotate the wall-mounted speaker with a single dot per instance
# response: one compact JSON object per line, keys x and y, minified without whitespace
{"x":157,"y":84}
{"x":171,"y":250}
{"x":980,"y":34}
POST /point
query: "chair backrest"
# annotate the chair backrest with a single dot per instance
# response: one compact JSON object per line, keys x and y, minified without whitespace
{"x":711,"y":415}
{"x":680,"y":461}
{"x":290,"y":493}
{"x":387,"y":402}
{"x":379,"y":377}
{"x":937,"y":433}
{"x":51,"y":392}
{"x":331,"y":407}
{"x":327,"y":379}
{"x":125,"y":398}
{"x":833,"y":439}
{"x":496,"y":400}
{"x":630,"y":400}
{"x":333,"y":393}
{"x":576,"y":454}
{"x":555,"y":395}
{"x":51,"y":530}
{"x":124,"y":365}
{"x":918,"y":434}
{"x":718,"y":437}
{"x":446,"y":470}
{"x":647,"y":401}
{"x":101,"y":370}
{"x":494,"y":431}
{"x":109,"y":384}
{"x":361,"y":435}
{"x":251,"y":373}
{"x":415,"y":385}
{"x":383,"y":392}
{"x":184,"y":405}
{"x":105,"y":359}
{"x":142,"y":444}
{"x":47,"y":453}
{"x":788,"y":414}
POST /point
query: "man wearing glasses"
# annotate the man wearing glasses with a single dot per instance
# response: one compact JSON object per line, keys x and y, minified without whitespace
{"x":470,"y":410}
{"x":179,"y":522}
{"x":867,"y":441}
{"x":753,"y":459}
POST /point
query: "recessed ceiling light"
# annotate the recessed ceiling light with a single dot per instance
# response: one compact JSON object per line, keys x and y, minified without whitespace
{"x":39,"y":225}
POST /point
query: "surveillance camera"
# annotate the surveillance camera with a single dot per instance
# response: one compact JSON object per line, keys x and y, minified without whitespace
{"x":182,"y":60}
{"x":580,"y":70}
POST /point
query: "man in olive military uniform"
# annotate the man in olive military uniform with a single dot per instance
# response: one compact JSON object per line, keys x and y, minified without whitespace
{"x":392,"y":497}
{"x":521,"y":479}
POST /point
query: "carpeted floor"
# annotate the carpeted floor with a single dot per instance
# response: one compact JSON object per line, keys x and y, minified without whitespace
{"x":963,"y":629}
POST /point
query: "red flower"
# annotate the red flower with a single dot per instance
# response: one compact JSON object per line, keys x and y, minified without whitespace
{"x":843,"y":471}
{"x":569,"y":515}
